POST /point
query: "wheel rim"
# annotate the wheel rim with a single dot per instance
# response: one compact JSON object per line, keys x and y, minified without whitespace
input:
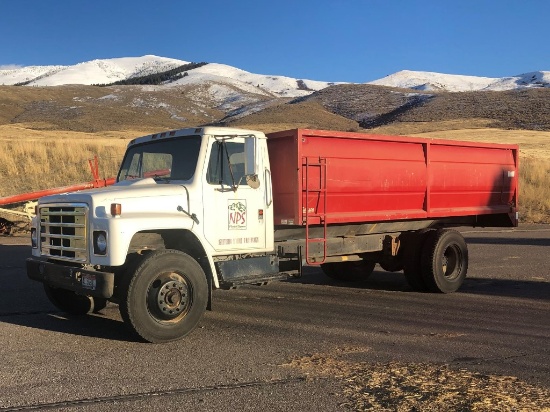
{"x":169,"y":297}
{"x":451,"y":262}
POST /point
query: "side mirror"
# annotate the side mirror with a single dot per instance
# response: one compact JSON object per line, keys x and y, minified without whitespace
{"x":253,"y":181}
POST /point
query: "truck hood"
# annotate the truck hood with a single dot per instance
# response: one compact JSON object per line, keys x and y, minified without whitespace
{"x":135,"y":196}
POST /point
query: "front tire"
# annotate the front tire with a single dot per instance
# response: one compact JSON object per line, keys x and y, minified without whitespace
{"x":165,"y":297}
{"x":444,"y":261}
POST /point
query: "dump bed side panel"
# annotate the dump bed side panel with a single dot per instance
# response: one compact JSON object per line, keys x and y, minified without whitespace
{"x":471,"y":180}
{"x":351,"y":177}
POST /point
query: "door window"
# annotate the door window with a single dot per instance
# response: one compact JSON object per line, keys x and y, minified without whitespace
{"x":226,"y":165}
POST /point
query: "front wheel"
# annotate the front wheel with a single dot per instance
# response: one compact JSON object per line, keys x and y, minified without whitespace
{"x":165,"y":297}
{"x":444,"y":261}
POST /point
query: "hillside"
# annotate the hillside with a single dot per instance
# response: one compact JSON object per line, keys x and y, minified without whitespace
{"x":94,"y":109}
{"x":151,"y":93}
{"x":372,"y":106}
{"x":348,"y":107}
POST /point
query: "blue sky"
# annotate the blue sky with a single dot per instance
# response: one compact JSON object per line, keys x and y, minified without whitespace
{"x":334,"y":40}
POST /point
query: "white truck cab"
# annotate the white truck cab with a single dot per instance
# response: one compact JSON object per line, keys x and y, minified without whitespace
{"x":197,"y":198}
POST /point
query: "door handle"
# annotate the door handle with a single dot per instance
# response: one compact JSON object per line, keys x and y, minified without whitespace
{"x":268,"y":188}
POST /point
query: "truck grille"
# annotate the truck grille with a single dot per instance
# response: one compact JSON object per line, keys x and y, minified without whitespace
{"x":63,"y":232}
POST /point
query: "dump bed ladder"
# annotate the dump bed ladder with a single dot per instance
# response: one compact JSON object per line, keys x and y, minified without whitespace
{"x":312,"y":217}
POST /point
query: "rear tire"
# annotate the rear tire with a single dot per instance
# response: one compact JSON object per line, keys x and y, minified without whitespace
{"x":444,"y":261}
{"x":412,"y":259}
{"x":349,"y":271}
{"x":164,"y":298}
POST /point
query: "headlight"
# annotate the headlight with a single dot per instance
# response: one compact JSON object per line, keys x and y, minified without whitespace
{"x":100,"y":243}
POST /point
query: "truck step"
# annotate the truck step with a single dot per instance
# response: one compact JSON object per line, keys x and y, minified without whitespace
{"x":258,"y":280}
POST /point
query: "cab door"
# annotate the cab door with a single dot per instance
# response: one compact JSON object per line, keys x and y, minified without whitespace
{"x":234,"y":213}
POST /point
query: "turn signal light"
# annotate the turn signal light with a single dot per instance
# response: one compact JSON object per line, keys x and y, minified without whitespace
{"x":116,"y":209}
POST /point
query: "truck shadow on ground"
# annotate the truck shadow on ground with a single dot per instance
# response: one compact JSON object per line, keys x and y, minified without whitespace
{"x":513,"y":288}
{"x":92,"y":326}
{"x":23,"y":302}
{"x":508,"y":241}
{"x":13,"y":255}
{"x":378,"y":280}
{"x":395,"y":282}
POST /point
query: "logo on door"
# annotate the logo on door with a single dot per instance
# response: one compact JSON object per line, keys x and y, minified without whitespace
{"x":237,"y":214}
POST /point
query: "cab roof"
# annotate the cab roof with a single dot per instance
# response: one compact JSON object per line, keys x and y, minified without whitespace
{"x":201,"y":131}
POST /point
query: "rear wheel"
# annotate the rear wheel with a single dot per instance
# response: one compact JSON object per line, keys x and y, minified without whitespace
{"x":165,"y":297}
{"x":69,"y":302}
{"x":444,"y":261}
{"x":349,"y":271}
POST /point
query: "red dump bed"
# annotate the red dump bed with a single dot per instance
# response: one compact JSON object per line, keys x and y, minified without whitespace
{"x":345,"y":177}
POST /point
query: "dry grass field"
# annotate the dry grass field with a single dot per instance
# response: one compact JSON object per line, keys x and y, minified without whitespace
{"x":34,"y":160}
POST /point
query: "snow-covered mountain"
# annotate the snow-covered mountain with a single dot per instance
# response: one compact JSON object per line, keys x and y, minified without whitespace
{"x":430,"y":81}
{"x":177,"y":93}
{"x":224,"y":80}
{"x":92,"y":72}
{"x":112,"y":70}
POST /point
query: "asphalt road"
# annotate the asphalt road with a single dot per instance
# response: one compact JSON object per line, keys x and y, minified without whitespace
{"x":244,"y":355}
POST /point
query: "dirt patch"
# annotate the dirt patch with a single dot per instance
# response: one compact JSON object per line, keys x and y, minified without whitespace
{"x":398,"y":386}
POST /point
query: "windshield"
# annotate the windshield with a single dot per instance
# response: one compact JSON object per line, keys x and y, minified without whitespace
{"x":170,"y":159}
